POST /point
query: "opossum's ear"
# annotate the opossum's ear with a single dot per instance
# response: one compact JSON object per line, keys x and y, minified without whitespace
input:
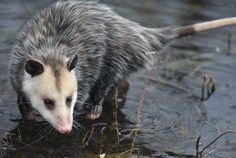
{"x":72,"y":62}
{"x":34,"y":68}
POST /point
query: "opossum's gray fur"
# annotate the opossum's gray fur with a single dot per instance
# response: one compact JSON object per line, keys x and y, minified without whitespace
{"x":109,"y":46}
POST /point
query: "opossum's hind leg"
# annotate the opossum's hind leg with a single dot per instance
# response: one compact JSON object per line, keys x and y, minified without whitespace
{"x":26,"y":110}
{"x":98,"y":98}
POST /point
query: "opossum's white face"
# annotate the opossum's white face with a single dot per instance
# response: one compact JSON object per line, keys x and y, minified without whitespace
{"x":52,"y":94}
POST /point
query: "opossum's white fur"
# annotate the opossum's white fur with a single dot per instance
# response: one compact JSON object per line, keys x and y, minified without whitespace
{"x":43,"y":86}
{"x":109,"y":48}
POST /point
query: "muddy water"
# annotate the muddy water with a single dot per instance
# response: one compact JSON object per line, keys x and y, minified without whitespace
{"x":172,"y":115}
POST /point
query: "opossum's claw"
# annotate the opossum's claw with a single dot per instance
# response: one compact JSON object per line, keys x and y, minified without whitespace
{"x":28,"y":113}
{"x":31,"y":116}
{"x":26,"y":109}
{"x":95,"y":112}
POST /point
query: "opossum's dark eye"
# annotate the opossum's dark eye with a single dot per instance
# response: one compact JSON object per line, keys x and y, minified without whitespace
{"x":49,"y":103}
{"x":68,"y":100}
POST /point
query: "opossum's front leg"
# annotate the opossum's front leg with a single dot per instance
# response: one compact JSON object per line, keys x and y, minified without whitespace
{"x":98,"y":99}
{"x":26,"y":110}
{"x":96,"y":111}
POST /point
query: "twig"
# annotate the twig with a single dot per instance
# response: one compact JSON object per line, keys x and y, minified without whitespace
{"x":89,"y":138}
{"x":84,"y":139}
{"x":128,"y":135}
{"x":229,"y":42}
{"x":139,"y":110}
{"x":194,"y":71}
{"x":208,"y":85}
{"x":227,"y":132}
{"x":170,"y":153}
{"x":116,"y":119}
{"x":197,"y":146}
{"x":30,"y":144}
{"x":127,"y":151}
{"x":19,"y":134}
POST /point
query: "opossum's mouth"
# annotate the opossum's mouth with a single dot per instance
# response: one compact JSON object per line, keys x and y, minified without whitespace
{"x":63,"y":128}
{"x":61,"y":125}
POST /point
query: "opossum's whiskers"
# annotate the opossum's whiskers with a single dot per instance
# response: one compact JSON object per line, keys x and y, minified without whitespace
{"x":74,"y":126}
{"x":49,"y":131}
{"x":46,"y":123}
{"x":21,"y":97}
{"x":25,"y":102}
{"x":53,"y":131}
{"x":21,"y":101}
{"x":78,"y":125}
{"x":78,"y":134}
{"x":77,"y":137}
{"x":45,"y":130}
{"x":78,"y":129}
{"x":84,"y":103}
{"x":44,"y":133}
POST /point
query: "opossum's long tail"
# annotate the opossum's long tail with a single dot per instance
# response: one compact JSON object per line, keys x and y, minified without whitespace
{"x":204,"y":26}
{"x":161,"y":37}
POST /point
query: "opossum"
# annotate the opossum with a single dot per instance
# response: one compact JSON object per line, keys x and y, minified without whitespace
{"x":75,"y":50}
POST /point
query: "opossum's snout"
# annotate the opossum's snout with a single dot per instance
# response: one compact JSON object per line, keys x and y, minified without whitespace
{"x":64,"y":126}
{"x":59,"y":113}
{"x":52,"y":91}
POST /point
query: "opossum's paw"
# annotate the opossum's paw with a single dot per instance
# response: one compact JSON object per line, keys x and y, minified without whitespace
{"x":30,"y":116}
{"x":27,"y":112}
{"x":95,"y":112}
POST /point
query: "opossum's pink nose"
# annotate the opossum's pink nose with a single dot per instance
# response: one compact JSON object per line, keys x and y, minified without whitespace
{"x":64,"y":126}
{"x":65,"y":129}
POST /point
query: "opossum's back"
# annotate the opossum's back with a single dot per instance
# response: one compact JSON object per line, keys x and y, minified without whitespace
{"x":90,"y":28}
{"x":68,"y":24}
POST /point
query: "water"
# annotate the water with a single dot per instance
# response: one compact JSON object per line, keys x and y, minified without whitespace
{"x":173,"y":115}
